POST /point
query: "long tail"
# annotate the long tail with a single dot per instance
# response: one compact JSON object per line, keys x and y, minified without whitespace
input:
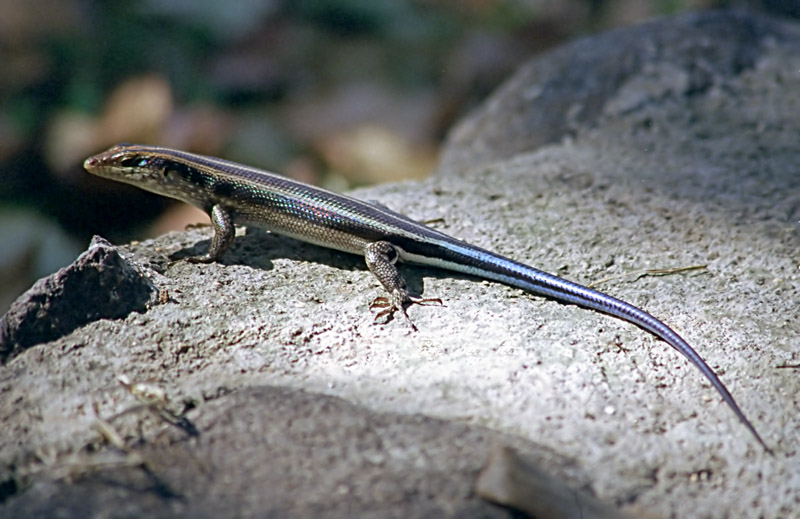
{"x":489,"y":265}
{"x":589,"y":298}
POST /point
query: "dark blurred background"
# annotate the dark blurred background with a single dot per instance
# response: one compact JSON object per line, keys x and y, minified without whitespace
{"x":333,"y":92}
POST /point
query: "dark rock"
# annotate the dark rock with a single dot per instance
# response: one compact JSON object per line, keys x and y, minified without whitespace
{"x":100,"y":284}
{"x":569,"y":89}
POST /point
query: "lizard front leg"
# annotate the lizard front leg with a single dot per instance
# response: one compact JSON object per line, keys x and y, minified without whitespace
{"x":224,"y":232}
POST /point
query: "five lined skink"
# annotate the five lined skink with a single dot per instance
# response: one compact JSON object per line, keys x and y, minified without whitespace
{"x":236,"y":194}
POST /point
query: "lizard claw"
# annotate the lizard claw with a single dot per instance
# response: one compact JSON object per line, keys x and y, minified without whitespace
{"x":379,"y":302}
{"x":400,"y":303}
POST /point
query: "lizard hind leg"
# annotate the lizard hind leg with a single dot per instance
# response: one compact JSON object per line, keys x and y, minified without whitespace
{"x":389,"y":307}
{"x":381,"y":257}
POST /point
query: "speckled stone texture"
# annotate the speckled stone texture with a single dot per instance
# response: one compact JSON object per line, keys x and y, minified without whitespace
{"x":663,"y":146}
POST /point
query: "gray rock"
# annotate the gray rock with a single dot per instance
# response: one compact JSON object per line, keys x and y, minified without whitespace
{"x":100,"y":284}
{"x":683,"y":155}
{"x":273,"y":452}
{"x":597,"y":80}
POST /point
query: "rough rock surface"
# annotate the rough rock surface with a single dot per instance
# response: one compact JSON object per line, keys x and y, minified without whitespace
{"x":100,"y":284}
{"x":663,"y":146}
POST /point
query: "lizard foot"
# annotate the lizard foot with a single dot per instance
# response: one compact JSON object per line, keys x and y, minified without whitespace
{"x":390,"y":306}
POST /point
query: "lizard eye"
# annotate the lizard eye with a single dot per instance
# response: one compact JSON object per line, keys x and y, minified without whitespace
{"x":134,"y":163}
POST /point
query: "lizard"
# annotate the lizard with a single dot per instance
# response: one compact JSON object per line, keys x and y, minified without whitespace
{"x":233,"y":194}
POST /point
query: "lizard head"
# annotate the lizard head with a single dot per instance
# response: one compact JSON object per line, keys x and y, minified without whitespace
{"x":129,"y":163}
{"x":151,"y":168}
